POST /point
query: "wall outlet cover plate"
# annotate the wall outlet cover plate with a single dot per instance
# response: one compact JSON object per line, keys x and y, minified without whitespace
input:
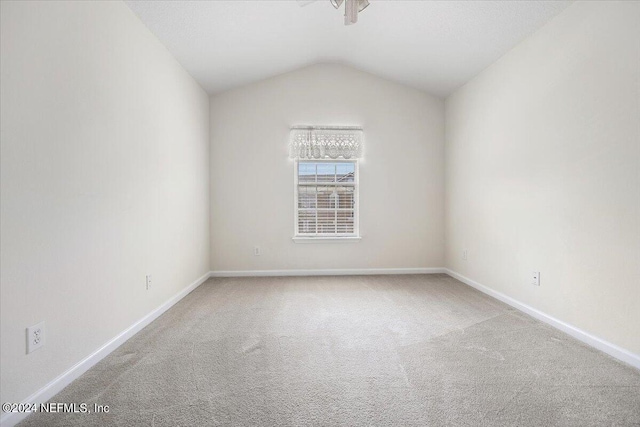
{"x":35,"y":337}
{"x":535,"y":278}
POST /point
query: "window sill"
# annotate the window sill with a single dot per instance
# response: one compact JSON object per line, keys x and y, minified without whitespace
{"x":305,"y":239}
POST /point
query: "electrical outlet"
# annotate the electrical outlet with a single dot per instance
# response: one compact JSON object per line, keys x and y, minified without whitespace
{"x":256,"y":250}
{"x":464,"y":254}
{"x":35,"y":337}
{"x":148,"y":281}
{"x":535,"y":278}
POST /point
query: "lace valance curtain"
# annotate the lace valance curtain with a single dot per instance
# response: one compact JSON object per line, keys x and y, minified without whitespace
{"x":312,"y":143}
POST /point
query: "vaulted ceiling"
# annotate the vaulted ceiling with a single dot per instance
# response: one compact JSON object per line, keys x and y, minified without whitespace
{"x":435,"y":46}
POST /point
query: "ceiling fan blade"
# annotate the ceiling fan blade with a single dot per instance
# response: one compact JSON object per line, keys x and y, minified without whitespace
{"x":351,"y":12}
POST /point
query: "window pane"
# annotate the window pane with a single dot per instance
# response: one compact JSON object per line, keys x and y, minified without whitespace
{"x":345,"y":222}
{"x":346,"y":198}
{"x":326,"y":172}
{"x":306,"y":172}
{"x":326,"y":222}
{"x":326,"y":198}
{"x":306,"y":197}
{"x":345,"y":172}
{"x":306,"y":222}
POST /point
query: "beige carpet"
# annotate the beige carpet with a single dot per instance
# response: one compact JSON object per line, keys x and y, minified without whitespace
{"x":351,"y":351}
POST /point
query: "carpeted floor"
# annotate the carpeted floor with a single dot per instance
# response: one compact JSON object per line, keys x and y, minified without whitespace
{"x":423,"y":350}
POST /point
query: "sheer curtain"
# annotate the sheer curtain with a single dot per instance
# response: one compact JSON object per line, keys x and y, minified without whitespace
{"x":312,"y":143}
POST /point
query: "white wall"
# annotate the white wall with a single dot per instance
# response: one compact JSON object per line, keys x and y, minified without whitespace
{"x":401,"y":176}
{"x":543,"y":171}
{"x":104,"y":180}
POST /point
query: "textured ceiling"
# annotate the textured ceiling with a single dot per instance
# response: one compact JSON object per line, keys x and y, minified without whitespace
{"x":435,"y":46}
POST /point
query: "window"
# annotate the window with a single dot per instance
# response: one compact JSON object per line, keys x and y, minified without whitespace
{"x":326,"y":198}
{"x":326,"y":182}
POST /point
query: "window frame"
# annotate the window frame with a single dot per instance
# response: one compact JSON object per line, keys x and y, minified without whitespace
{"x":327,"y":237}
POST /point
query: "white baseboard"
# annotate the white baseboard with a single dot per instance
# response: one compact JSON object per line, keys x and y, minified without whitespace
{"x":56,"y":385}
{"x":326,"y":272}
{"x":577,"y":333}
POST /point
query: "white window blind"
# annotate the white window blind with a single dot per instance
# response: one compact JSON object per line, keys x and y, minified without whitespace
{"x":326,"y":198}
